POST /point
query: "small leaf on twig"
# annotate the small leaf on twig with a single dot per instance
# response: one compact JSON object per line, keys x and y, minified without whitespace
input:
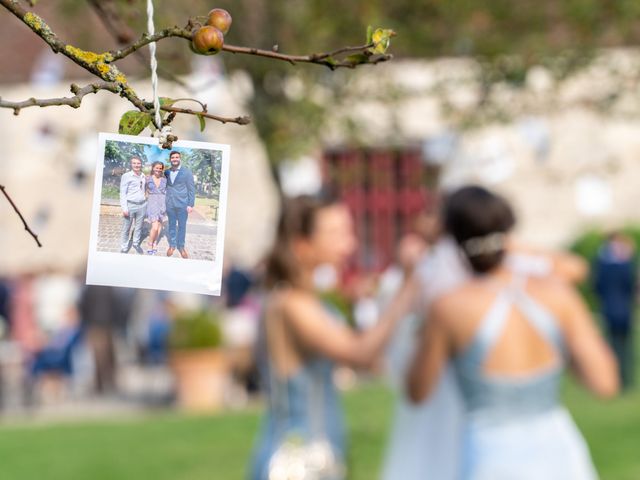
{"x":202,"y":122}
{"x":381,"y":39}
{"x":166,"y":101}
{"x":369,"y":35}
{"x":357,"y":59}
{"x":133,"y":122}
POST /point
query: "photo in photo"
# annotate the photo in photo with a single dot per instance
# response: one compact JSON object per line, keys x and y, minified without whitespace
{"x":158,"y":215}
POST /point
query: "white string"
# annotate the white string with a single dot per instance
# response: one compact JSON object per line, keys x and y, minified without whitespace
{"x":154,"y":65}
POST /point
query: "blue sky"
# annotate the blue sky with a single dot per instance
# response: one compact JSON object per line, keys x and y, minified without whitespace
{"x":157,"y":153}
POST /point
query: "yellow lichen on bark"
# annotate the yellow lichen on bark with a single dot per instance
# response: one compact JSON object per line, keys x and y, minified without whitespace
{"x":87,"y":56}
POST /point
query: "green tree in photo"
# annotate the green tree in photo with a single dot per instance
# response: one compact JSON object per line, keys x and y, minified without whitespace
{"x":117,"y":156}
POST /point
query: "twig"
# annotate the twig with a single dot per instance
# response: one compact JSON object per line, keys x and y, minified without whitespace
{"x":24,"y":222}
{"x":121,"y":32}
{"x":73,"y":102}
{"x":241,"y":120}
{"x":325,"y":59}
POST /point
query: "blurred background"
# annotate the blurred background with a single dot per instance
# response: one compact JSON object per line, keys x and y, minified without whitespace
{"x":538,"y":101}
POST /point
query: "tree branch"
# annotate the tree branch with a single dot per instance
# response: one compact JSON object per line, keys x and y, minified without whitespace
{"x":73,"y":102}
{"x":121,"y":32}
{"x":241,"y":120}
{"x":24,"y":222}
{"x":325,"y":59}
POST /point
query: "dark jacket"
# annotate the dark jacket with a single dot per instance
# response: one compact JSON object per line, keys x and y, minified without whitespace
{"x":615,"y":285}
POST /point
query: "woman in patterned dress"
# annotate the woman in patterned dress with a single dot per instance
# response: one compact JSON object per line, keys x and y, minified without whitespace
{"x":156,"y":207}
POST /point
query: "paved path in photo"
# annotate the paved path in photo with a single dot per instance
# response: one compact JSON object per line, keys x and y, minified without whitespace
{"x":200,"y":241}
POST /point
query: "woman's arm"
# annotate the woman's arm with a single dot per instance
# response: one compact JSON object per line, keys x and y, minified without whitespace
{"x":593,"y":361}
{"x":313,"y":327}
{"x":431,"y":356}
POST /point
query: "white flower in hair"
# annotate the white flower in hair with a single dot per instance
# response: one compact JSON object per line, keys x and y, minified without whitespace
{"x":484,"y":245}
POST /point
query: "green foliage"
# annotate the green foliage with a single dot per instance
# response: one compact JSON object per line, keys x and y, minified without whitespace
{"x":133,"y":122}
{"x":202,"y":122}
{"x":336,"y":300}
{"x":110,"y":192}
{"x":507,"y":37}
{"x":194,"y":330}
{"x":381,"y":39}
{"x":118,"y":154}
{"x":206,"y":166}
{"x":587,"y":246}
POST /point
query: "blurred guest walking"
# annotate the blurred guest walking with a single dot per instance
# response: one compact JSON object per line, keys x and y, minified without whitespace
{"x":615,"y":284}
{"x":509,"y":337}
{"x":303,"y":432}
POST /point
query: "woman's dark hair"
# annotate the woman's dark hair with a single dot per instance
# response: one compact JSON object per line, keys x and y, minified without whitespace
{"x":477,"y":219}
{"x":297,"y":220}
{"x":157,"y":162}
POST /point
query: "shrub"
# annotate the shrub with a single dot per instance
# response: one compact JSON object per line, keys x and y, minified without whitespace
{"x":194,"y":330}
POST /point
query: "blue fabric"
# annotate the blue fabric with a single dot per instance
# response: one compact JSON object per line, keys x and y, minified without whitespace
{"x":498,"y":398}
{"x":177,"y":220}
{"x":57,"y":356}
{"x":515,"y":426}
{"x":615,"y":283}
{"x":156,"y":200}
{"x":311,"y":408}
{"x":182,"y":192}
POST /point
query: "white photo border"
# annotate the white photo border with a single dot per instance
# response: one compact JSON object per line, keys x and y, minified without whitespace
{"x":156,"y":272}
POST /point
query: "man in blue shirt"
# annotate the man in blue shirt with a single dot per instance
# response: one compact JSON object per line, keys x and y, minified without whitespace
{"x":181,"y":197}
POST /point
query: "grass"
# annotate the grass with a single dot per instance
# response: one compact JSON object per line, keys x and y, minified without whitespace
{"x":110,"y":192}
{"x":180,"y":447}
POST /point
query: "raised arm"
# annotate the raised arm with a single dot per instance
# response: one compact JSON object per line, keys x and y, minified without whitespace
{"x":317,"y":332}
{"x":432,"y":354}
{"x":591,"y":357}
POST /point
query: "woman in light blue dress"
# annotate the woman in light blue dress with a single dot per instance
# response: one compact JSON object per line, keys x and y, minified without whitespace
{"x":301,"y":341}
{"x":509,"y":338}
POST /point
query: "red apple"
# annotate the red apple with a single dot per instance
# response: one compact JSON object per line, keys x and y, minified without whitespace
{"x":221,"y":19}
{"x":207,"y":40}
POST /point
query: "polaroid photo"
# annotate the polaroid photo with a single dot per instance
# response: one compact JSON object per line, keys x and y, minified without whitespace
{"x":158,"y":217}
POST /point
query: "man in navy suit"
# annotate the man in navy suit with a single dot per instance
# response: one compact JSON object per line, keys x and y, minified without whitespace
{"x":615,"y":285}
{"x":181,"y":196}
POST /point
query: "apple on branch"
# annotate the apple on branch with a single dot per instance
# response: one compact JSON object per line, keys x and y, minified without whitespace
{"x":207,"y":40}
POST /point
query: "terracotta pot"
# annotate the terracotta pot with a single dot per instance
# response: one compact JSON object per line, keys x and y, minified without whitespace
{"x":202,"y":377}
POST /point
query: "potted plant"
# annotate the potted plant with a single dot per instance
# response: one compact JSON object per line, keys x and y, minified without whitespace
{"x":198,"y":361}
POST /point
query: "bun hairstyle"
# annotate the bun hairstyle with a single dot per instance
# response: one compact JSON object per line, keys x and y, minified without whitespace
{"x":478,"y":220}
{"x":297,"y":220}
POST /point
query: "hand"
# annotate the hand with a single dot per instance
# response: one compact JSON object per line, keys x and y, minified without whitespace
{"x":125,"y":214}
{"x":189,"y":209}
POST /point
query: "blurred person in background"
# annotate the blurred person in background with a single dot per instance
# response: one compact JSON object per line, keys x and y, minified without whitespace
{"x":425,"y":438}
{"x":100,"y":309}
{"x":4,"y":308}
{"x":615,"y":286}
{"x":509,"y":337}
{"x":302,"y":339}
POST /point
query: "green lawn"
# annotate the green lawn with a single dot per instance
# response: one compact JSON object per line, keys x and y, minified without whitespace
{"x":178,"y":447}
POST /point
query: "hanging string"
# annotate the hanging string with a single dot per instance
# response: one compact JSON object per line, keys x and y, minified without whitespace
{"x":154,"y":65}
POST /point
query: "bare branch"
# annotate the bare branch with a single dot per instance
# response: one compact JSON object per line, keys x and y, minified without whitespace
{"x":122,"y":33}
{"x":241,"y":120}
{"x":95,"y":63}
{"x":146,"y":39}
{"x":73,"y":102}
{"x":325,"y":59}
{"x":108,"y":15}
{"x":24,"y":222}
